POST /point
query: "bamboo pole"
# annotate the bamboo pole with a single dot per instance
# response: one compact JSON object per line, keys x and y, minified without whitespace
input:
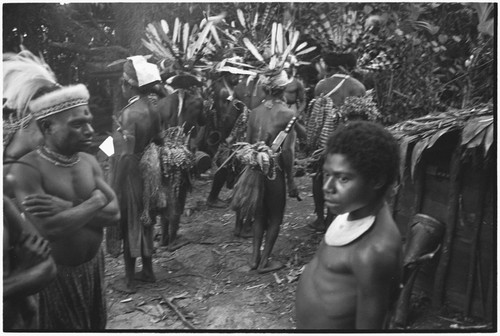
{"x":452,"y":208}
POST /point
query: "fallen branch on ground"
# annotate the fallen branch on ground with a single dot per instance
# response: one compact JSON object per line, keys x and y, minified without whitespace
{"x":171,"y":305}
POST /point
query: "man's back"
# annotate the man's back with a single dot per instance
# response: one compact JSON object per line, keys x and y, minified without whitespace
{"x":143,"y":121}
{"x":266,"y":121}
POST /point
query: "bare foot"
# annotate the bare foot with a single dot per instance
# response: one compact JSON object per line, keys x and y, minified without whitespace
{"x":270,"y":266}
{"x":254,"y":264}
{"x":125,"y":286}
{"x":144,"y":277}
{"x":244,"y":234}
{"x":218,"y":203}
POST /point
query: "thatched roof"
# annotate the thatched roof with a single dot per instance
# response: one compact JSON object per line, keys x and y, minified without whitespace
{"x":475,"y":125}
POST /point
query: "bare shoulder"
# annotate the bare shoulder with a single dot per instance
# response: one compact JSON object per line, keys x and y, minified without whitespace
{"x":135,"y":112}
{"x":88,"y":157}
{"x":27,"y":164}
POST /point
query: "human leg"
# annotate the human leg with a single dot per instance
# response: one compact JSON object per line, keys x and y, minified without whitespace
{"x":274,"y":208}
{"x":147,"y":249}
{"x":319,"y":202}
{"x":220,"y":177}
{"x":243,"y":226}
{"x":129,"y":267}
{"x":258,"y":235}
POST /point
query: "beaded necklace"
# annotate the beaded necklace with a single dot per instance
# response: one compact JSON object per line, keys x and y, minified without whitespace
{"x":58,"y":159}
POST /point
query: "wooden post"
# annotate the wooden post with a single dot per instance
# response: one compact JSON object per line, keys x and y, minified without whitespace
{"x":452,"y":208}
{"x":474,"y":260}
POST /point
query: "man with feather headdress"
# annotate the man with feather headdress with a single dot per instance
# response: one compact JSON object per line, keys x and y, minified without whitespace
{"x":60,"y":169}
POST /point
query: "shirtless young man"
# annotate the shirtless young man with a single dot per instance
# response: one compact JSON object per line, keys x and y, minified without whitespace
{"x":294,"y":92}
{"x":264,"y":124}
{"x":76,"y":298}
{"x":228,"y":108}
{"x":138,"y":126}
{"x":338,"y":87}
{"x":353,"y":279}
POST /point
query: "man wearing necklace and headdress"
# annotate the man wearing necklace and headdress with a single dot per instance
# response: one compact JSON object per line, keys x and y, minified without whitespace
{"x":352,"y":281}
{"x":138,"y":125}
{"x":62,"y":169}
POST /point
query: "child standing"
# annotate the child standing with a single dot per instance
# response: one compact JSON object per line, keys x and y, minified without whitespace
{"x":352,"y":280}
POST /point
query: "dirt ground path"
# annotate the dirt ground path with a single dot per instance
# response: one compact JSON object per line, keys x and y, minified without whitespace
{"x":209,"y":281}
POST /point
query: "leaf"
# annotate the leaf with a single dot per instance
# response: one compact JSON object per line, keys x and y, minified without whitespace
{"x":416,"y":155}
{"x":488,"y":139}
{"x":473,"y":128}
{"x":476,"y":141}
{"x":486,"y":24}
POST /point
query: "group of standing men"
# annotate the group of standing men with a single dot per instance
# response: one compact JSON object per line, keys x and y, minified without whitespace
{"x":60,"y":189}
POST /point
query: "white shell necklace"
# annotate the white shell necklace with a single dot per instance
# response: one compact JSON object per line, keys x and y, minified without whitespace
{"x":343,"y":231}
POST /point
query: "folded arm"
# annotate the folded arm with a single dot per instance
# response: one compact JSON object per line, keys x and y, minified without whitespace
{"x":29,"y":182}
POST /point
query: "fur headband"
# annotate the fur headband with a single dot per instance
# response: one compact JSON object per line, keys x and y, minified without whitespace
{"x":60,"y":100}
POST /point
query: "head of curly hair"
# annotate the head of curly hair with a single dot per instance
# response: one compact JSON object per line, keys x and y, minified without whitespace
{"x":370,"y":149}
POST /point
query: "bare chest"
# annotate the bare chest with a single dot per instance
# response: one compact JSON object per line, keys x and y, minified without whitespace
{"x":70,"y":183}
{"x":336,"y":260}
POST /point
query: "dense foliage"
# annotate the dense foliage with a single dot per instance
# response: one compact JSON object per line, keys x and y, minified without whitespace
{"x":419,"y":57}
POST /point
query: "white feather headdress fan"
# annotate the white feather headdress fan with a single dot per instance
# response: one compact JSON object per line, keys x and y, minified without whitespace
{"x":24,"y":75}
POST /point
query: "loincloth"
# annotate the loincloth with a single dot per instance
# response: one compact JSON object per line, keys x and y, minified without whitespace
{"x":75,"y":300}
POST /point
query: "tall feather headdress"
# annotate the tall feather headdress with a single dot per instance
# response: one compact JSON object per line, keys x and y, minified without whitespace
{"x":31,"y":89}
{"x":182,"y":47}
{"x":272,"y":47}
{"x":25,"y":75}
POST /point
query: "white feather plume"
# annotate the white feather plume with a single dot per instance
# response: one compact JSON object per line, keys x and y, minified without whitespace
{"x":24,"y":75}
